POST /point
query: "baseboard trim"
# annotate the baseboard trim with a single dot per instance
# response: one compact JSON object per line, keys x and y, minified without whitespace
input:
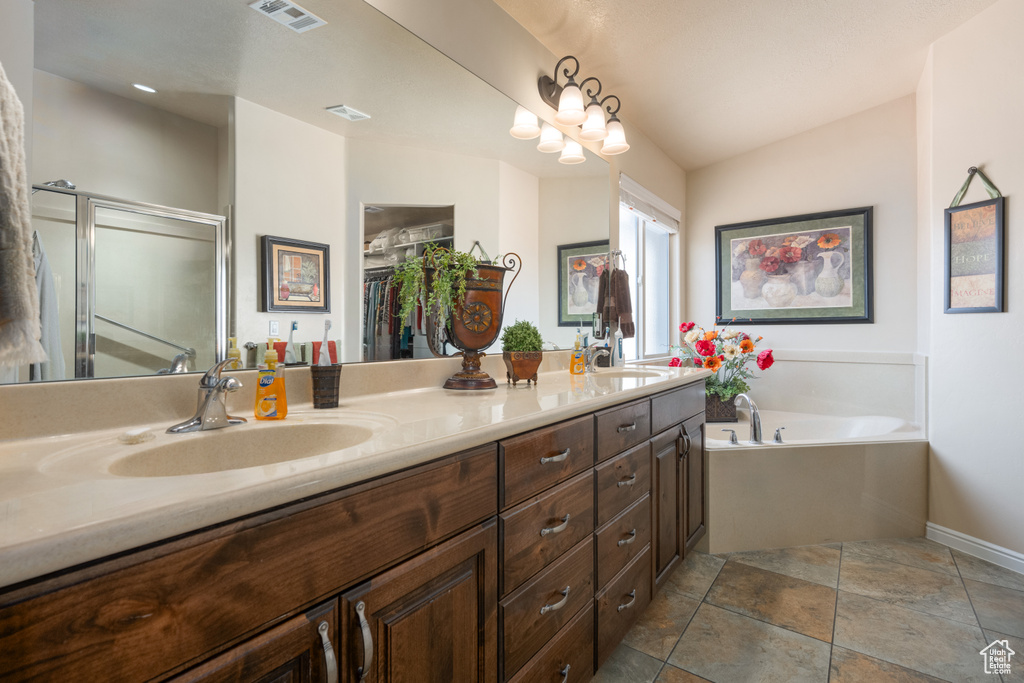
{"x":1004,"y":557}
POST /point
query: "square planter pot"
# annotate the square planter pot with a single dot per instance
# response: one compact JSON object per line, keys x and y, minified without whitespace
{"x":717,"y":410}
{"x":522,"y":365}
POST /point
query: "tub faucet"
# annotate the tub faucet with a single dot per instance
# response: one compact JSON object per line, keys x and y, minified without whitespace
{"x":755,"y":419}
{"x":212,"y":412}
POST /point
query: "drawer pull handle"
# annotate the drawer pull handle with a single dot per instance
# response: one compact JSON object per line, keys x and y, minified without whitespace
{"x":558,"y":605}
{"x":556,"y":458}
{"x":556,"y":529}
{"x":687,"y":443}
{"x":564,"y":673}
{"x":626,"y":482}
{"x":626,"y":428}
{"x":363,"y":671}
{"x":330,"y":661}
{"x":627,"y":541}
{"x":630,"y":603}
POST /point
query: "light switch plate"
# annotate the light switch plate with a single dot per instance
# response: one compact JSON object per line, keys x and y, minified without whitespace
{"x":275,"y":328}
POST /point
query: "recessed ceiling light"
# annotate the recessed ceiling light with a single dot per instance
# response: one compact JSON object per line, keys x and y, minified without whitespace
{"x":143,"y":88}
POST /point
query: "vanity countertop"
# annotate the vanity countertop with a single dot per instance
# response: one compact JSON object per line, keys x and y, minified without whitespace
{"x":60,"y":505}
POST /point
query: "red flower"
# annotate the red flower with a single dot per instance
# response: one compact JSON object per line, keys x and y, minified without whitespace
{"x":790,"y":254}
{"x":705,"y":347}
{"x":770,"y":264}
{"x":756,"y":248}
{"x":765,"y":360}
{"x":686,"y":327}
{"x":675,"y":362}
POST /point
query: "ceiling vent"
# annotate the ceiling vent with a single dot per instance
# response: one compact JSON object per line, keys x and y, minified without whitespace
{"x":289,"y":14}
{"x":348,"y":113}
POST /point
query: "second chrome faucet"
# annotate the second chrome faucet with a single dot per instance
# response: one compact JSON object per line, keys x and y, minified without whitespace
{"x":755,"y":419}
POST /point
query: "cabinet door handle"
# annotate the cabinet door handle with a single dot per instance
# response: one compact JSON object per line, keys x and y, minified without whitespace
{"x":564,"y":673}
{"x":627,"y":541}
{"x":686,"y":443}
{"x":363,"y":671}
{"x":630,"y":603}
{"x":556,"y":458}
{"x":557,"y":605}
{"x":627,"y":482}
{"x":330,"y":661}
{"x":556,"y":529}
{"x":626,"y":428}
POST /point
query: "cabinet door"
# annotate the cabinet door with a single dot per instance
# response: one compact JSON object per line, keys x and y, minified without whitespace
{"x":696,"y":510}
{"x":301,"y":650}
{"x":432,"y":619}
{"x":669,"y":500}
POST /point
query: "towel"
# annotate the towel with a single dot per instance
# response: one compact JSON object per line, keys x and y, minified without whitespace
{"x":19,"y":300}
{"x":605,"y":301}
{"x":619,"y":284}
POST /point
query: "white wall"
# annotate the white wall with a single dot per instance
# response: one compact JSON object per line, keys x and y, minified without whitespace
{"x":518,"y":232}
{"x":975,"y":104}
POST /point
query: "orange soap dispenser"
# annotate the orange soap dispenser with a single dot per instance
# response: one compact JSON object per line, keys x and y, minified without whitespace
{"x":271,"y":397}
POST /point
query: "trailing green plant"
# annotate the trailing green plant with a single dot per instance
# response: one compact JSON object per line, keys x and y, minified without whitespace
{"x":521,"y":336}
{"x":448,"y":281}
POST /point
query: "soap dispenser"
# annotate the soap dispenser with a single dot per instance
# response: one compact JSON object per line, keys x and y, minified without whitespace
{"x":271,"y":396}
{"x":577,"y":363}
{"x":235,"y":354}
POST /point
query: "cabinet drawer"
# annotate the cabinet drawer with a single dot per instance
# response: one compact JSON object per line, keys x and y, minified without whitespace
{"x":569,"y":657}
{"x":622,"y":539}
{"x":621,"y":481}
{"x":623,"y":427}
{"x":544,"y":527}
{"x":534,"y":461}
{"x":622,"y":603}
{"x":543,"y":605}
{"x":672,"y":407}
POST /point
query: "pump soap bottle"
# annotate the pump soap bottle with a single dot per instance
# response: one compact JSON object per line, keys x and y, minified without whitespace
{"x":577,"y":364}
{"x":271,"y":397}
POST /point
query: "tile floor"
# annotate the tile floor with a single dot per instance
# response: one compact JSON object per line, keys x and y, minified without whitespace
{"x":903,"y":610}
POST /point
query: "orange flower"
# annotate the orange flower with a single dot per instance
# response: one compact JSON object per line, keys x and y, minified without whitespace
{"x":712,"y":363}
{"x":710,"y":335}
{"x":746,"y":346}
{"x":829,"y":240}
{"x":579,"y":264}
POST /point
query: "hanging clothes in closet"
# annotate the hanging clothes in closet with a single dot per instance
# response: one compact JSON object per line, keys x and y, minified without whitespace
{"x":385,"y":337}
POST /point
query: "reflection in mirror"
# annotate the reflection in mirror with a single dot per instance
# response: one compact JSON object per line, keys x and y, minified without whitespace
{"x":239,"y":126}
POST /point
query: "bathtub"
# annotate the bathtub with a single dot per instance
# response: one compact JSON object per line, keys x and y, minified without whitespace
{"x":833,"y":479}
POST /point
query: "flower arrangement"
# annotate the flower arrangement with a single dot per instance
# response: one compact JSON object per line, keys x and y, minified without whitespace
{"x":725,"y":352}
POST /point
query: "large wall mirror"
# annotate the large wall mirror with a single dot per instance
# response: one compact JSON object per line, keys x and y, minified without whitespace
{"x":240,"y":127}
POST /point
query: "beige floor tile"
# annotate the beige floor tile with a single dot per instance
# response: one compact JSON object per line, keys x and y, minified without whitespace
{"x":785,"y":601}
{"x":626,"y":665}
{"x":814,"y":563}
{"x":922,"y":642}
{"x":977,"y":569}
{"x":725,"y":647}
{"x":1016,"y":674}
{"x":695,"y":575}
{"x":919,"y":589}
{"x":999,"y":609}
{"x":916,"y":552}
{"x":853,"y":667}
{"x":671,"y":674}
{"x":664,"y":620}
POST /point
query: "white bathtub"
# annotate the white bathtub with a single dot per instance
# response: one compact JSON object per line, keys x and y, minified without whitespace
{"x":834,"y":479}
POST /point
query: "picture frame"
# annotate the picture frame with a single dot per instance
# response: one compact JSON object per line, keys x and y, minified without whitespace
{"x":295,"y":275}
{"x":798,"y":270}
{"x":974,"y":257}
{"x":579,"y":270}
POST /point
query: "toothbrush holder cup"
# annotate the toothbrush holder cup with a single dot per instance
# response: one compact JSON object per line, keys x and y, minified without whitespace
{"x":326,"y":380}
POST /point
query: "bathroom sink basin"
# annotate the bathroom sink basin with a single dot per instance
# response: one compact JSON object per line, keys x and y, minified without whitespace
{"x":628,"y":373}
{"x":235,"y":448}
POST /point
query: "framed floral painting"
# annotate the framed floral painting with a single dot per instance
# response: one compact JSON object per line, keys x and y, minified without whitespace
{"x":579,"y":274}
{"x":806,"y":269}
{"x":296,"y":275}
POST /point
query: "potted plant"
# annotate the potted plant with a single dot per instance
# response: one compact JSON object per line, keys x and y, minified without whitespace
{"x":462,"y":302}
{"x":522,"y":351}
{"x":726,"y":353}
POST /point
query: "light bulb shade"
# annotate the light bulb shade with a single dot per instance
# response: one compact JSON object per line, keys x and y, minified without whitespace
{"x":570,"y":106}
{"x":525,"y":125}
{"x":572,"y":154}
{"x":593,"y":127}
{"x":615,"y":143}
{"x":550,"y":139}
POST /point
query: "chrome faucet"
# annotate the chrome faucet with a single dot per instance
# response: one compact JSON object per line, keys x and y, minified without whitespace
{"x":755,"y":419}
{"x":212,"y":412}
{"x":591,"y":354}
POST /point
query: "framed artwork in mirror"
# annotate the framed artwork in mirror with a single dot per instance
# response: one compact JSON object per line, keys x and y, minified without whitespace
{"x":296,"y":275}
{"x":579,"y":272}
{"x":809,"y":269}
{"x":974,"y":280}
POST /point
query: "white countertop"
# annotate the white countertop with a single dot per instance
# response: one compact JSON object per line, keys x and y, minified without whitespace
{"x":60,"y":505}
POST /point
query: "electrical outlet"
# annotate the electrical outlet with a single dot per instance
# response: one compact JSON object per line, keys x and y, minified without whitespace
{"x":275,"y":329}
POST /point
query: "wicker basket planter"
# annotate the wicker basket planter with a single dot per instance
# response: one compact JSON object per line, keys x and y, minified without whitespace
{"x":717,"y":410}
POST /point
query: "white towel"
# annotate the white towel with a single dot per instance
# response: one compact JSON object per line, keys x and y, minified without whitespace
{"x":19,"y":301}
